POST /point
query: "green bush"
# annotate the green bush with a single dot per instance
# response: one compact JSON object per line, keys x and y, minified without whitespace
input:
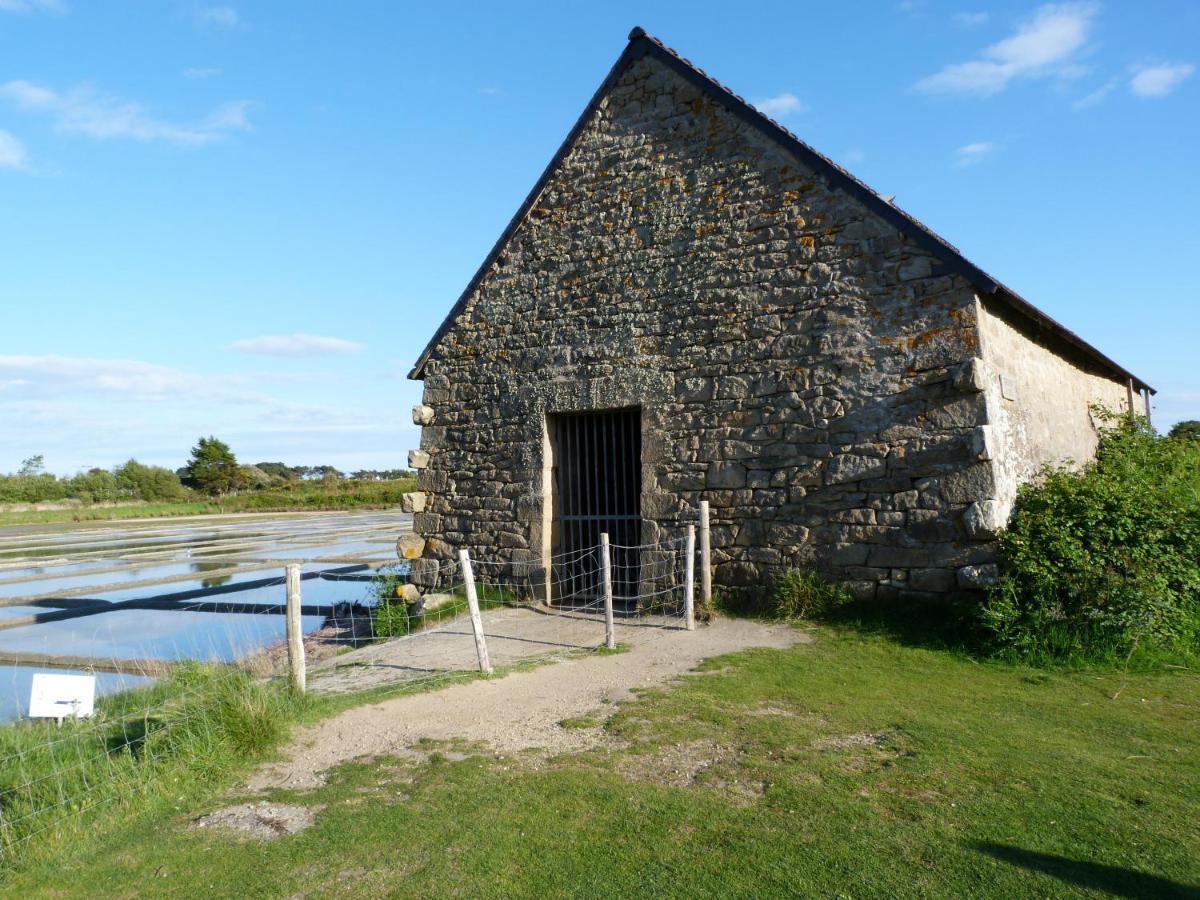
{"x":805,"y":594}
{"x":391,"y":617}
{"x":36,"y":488}
{"x":130,"y":481}
{"x":1185,"y":431}
{"x":319,"y":495}
{"x":94,"y":486}
{"x":150,"y":483}
{"x":1104,"y":561}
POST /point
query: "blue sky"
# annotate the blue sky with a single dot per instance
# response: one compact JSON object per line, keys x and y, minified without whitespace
{"x":247,"y":220}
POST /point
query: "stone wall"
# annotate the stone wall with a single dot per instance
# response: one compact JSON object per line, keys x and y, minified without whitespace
{"x":1039,"y":399}
{"x":800,"y":363}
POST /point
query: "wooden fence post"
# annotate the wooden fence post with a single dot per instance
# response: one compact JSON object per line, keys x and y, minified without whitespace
{"x":689,"y":581}
{"x":610,"y":634}
{"x":485,"y":664}
{"x":705,"y":558}
{"x":295,"y":634}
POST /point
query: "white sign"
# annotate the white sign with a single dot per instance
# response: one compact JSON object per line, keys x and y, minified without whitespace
{"x":62,"y":696}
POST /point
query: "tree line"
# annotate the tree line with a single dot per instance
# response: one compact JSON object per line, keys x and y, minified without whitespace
{"x":211,"y":471}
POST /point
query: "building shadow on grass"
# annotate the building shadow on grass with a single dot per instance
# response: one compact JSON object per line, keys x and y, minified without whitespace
{"x":1114,"y":880}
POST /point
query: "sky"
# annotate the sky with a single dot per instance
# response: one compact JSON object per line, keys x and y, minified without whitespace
{"x":247,"y":220}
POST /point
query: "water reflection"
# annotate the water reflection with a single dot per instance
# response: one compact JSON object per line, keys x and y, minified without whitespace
{"x":195,"y":555}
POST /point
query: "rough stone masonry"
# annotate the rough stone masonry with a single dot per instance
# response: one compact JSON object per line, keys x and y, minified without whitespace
{"x":840,"y":384}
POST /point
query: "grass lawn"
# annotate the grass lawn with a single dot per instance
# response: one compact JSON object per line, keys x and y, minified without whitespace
{"x":103,"y":513}
{"x":854,"y":766}
{"x":285,"y":498}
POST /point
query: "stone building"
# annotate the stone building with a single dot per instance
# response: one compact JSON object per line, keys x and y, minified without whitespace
{"x":694,"y":304}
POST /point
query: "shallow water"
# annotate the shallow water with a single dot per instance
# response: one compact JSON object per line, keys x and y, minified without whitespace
{"x":16,"y":682}
{"x":178,"y":634}
{"x":154,"y":634}
{"x":15,"y":612}
{"x":69,"y":582}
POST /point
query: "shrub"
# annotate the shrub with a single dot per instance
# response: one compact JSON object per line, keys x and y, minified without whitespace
{"x":391,"y":617}
{"x":150,"y":483}
{"x":31,"y":488}
{"x":1105,"y":560}
{"x":1185,"y":431}
{"x":806,"y":594}
{"x":94,"y":486}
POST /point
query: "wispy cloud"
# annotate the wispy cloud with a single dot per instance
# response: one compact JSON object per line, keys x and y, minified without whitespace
{"x":854,"y":155}
{"x":87,"y":111}
{"x":29,"y":6}
{"x":491,"y":91}
{"x":780,"y":105}
{"x":1098,"y":96}
{"x":83,"y":411}
{"x":52,"y":374}
{"x":12,"y":152}
{"x":970,"y":154}
{"x":1044,"y":46}
{"x":1159,"y":80}
{"x":218,"y":16}
{"x":296,"y":345}
{"x":971,"y":19}
{"x":197,"y":72}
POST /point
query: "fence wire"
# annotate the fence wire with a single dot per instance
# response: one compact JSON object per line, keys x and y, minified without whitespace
{"x":168,"y":675}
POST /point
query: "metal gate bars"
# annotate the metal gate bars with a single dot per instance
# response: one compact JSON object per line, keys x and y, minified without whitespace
{"x":598,"y":469}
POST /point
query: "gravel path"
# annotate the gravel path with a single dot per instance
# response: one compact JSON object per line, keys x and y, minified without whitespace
{"x":514,"y":634}
{"x":519,"y":711}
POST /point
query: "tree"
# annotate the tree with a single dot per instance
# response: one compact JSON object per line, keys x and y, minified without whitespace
{"x":279,"y":470}
{"x":143,"y":482}
{"x":254,"y":477}
{"x":34,"y":465}
{"x":213,"y":468}
{"x":96,"y":485}
{"x":1188,"y":430}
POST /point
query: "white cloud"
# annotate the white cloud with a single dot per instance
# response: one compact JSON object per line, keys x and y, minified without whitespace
{"x":1159,"y":80}
{"x":12,"y":152}
{"x":970,"y":154}
{"x":198,"y":72}
{"x":490,"y":91}
{"x":971,"y":19}
{"x":780,"y":105}
{"x":219,"y":16}
{"x":84,"y":110}
{"x":83,"y":412}
{"x":295,"y":345}
{"x":53,"y":374}
{"x":1041,"y":47}
{"x":1096,"y":97}
{"x":28,"y":6}
{"x":854,"y":155}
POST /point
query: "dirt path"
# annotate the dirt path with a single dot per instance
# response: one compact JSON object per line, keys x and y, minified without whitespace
{"x":518,"y":711}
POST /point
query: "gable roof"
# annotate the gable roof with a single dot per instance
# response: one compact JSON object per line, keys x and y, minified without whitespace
{"x":641,"y":44}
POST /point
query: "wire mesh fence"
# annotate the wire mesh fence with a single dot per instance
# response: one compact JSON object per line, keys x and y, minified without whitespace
{"x":189,"y":683}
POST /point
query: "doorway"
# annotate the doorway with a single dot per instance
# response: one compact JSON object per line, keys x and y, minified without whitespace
{"x":598,"y":488}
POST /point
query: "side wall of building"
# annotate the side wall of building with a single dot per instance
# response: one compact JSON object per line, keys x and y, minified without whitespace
{"x":797,"y":360}
{"x":1040,"y":397}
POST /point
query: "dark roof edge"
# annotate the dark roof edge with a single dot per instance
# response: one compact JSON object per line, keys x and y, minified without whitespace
{"x":641,"y":44}
{"x":626,"y":57}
